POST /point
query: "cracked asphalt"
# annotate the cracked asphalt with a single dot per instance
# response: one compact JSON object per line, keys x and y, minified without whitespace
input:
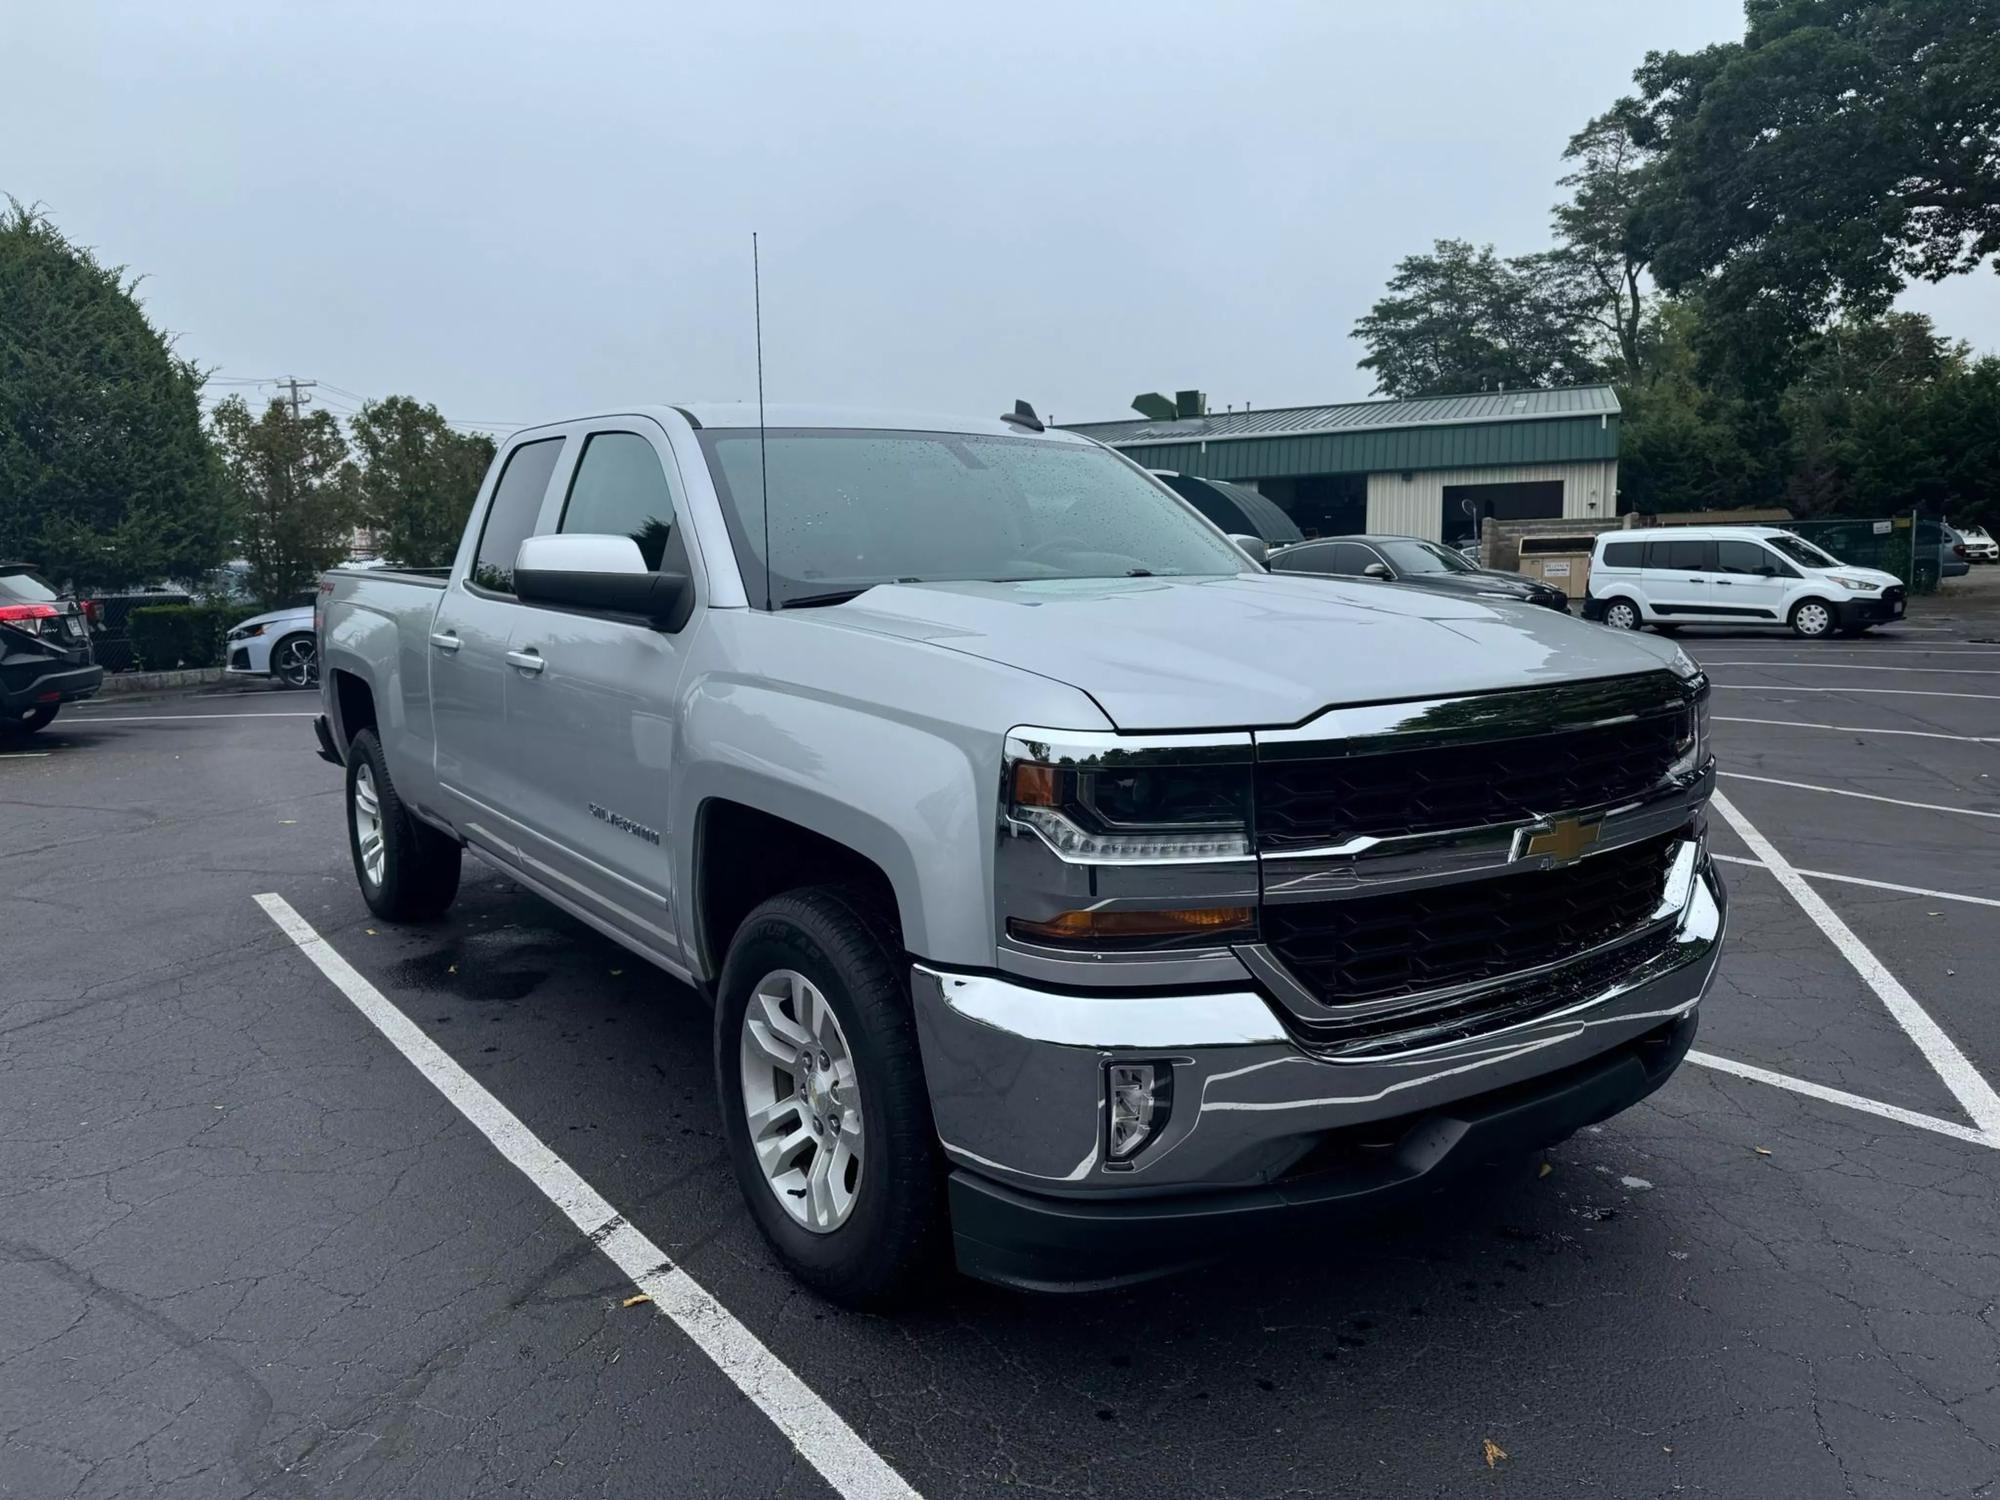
{"x":246,"y":1249}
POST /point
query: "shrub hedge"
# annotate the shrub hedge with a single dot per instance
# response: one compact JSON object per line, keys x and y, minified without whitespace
{"x":167,"y":636}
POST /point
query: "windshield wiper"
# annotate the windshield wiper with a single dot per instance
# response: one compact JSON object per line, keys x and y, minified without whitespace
{"x":833,"y":596}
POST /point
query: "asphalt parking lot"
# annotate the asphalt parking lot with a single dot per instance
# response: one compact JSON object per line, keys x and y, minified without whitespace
{"x":248,"y":1248}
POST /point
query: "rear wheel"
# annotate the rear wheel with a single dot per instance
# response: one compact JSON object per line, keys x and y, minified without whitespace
{"x":824,"y":1105}
{"x":1812,"y":619}
{"x":408,"y":871}
{"x":1622,"y":614}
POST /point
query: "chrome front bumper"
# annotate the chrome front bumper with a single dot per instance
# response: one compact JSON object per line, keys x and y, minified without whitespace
{"x":1017,"y":1074}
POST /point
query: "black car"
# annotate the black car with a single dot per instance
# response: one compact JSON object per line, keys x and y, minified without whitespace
{"x":1411,"y":560}
{"x":45,"y":655}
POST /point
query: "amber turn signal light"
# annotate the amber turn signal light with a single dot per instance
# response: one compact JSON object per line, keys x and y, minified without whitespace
{"x":1089,"y":926}
{"x":1036,"y":786}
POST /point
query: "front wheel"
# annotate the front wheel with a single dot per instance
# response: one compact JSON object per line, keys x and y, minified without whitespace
{"x":295,"y":661}
{"x":1812,"y":619}
{"x":824,"y":1105}
{"x":408,"y":871}
{"x":1622,"y":614}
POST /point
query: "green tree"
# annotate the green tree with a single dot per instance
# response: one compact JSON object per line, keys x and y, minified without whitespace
{"x":1462,"y":319}
{"x":106,"y":479}
{"x":294,"y":490}
{"x":418,"y":479}
{"x":1600,"y":239}
{"x":1685,"y":445}
{"x":1841,"y":148}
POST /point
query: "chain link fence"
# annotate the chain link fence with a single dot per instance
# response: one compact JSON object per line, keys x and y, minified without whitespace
{"x":1909,"y":546}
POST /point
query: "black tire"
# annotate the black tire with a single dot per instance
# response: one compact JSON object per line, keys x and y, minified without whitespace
{"x":1622,"y":614}
{"x":299,"y":655}
{"x":1814,"y":620}
{"x":420,"y":866}
{"x":35,"y":718}
{"x":891,"y":1245}
{"x":1668,"y":629}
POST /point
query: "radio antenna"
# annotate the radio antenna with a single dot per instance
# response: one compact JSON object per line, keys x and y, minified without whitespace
{"x":763,"y":461}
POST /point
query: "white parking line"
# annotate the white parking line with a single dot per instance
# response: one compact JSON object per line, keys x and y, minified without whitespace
{"x":1787,"y":687}
{"x":826,"y":1442}
{"x":1974,"y":1094}
{"x":285,"y":713}
{"x":1875,"y":885}
{"x":1922,"y":734}
{"x":1840,"y":1096}
{"x":1835,"y":791}
{"x":1862,"y":666}
{"x":25,"y":755}
{"x":1813,"y":653}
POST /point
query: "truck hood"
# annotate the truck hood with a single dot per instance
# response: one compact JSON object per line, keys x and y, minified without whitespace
{"x":1251,"y":651}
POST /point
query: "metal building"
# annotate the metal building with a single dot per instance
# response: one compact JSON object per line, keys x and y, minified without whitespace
{"x":1430,"y":467}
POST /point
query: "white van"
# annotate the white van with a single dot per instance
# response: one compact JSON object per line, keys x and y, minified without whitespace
{"x":1734,"y":575}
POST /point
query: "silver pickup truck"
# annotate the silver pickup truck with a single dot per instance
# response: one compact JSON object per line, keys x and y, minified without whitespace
{"x":1075,"y":898}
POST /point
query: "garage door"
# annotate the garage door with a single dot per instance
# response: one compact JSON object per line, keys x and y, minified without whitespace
{"x":1526,"y":500}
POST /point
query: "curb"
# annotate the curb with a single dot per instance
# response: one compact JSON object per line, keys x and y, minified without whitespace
{"x":118,"y":684}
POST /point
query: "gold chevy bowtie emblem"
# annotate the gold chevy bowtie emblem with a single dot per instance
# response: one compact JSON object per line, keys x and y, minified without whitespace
{"x":1561,"y":839}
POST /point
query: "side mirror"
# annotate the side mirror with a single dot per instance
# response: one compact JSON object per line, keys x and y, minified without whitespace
{"x":1377,"y":570}
{"x":1253,"y":547}
{"x":605,"y":574}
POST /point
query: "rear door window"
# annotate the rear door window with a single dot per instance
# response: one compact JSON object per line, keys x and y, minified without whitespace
{"x":1681,"y":556}
{"x":510,"y":519}
{"x":1313,"y":559}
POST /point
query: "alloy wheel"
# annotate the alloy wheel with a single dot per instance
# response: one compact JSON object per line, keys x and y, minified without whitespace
{"x":297,"y":662}
{"x":368,"y":824}
{"x":802,"y":1099}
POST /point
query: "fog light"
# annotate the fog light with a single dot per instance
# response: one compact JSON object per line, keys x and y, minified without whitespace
{"x":1139,"y":1097}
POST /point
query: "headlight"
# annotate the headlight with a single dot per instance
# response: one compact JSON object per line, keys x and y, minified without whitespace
{"x":1859,"y":585}
{"x":244,"y":632}
{"x":1683,"y":666}
{"x":1691,"y":751}
{"x":1135,"y":813}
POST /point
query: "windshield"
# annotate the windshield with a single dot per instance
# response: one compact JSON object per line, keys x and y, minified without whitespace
{"x":1407,"y":555}
{"x":1799,"y":550}
{"x":851,"y":508}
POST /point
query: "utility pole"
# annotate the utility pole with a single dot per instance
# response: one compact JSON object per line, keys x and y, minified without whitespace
{"x":296,"y":386}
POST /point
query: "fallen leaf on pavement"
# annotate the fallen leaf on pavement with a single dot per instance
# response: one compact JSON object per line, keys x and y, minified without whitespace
{"x":635,"y":1301}
{"x":1763,"y":1150}
{"x":1546,"y":1169}
{"x":1494,"y":1453}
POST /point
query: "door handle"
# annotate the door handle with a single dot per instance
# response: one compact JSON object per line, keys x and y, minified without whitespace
{"x":1724,"y":583}
{"x":444,"y":640}
{"x":529,"y":660}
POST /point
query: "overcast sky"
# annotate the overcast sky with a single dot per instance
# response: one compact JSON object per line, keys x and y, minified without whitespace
{"x":521,"y":212}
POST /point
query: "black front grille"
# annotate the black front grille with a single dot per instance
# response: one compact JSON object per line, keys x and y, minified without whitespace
{"x":1401,"y":791}
{"x":1375,"y":948}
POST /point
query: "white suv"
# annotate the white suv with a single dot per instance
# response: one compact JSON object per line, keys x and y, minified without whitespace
{"x":1733,"y":575}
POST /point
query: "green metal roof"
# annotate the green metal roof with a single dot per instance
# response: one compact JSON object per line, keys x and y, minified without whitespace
{"x":1433,"y":432}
